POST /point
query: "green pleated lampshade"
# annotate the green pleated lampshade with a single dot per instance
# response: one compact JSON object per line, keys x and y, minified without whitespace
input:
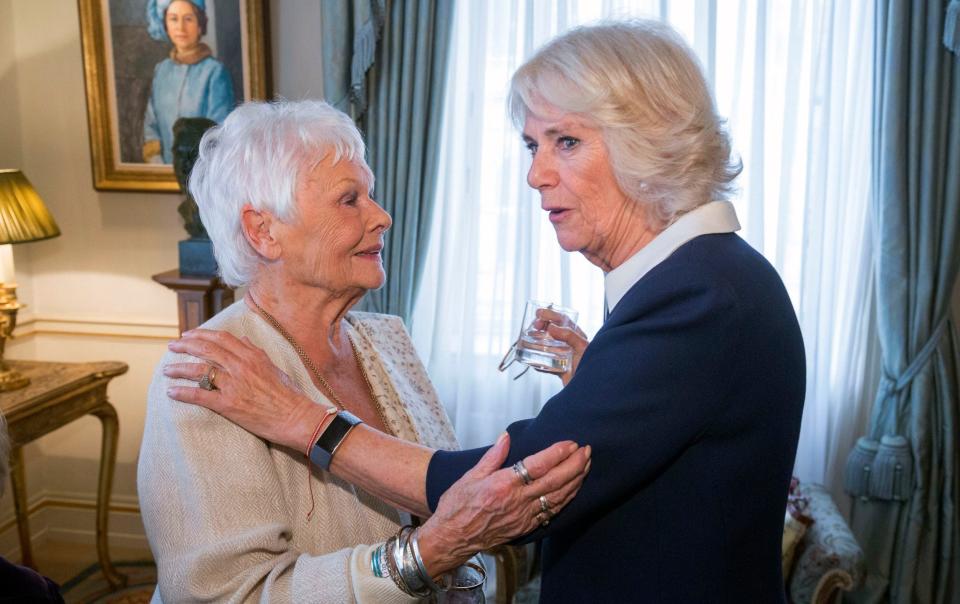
{"x":23,"y":217}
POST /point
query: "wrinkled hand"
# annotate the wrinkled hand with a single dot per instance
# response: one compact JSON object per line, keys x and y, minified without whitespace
{"x":560,"y":327}
{"x":486,"y":507}
{"x":251,"y":391}
{"x":489,"y":506}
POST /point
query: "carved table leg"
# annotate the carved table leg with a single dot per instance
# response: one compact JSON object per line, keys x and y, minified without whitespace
{"x":108,"y":460}
{"x":19,"y":481}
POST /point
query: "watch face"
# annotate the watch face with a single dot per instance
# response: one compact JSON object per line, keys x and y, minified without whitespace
{"x":322,"y":452}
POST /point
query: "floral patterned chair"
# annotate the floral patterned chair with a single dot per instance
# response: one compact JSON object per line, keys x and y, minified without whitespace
{"x":828,"y":560}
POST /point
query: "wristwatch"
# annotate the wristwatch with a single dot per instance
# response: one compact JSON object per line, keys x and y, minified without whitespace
{"x":327,"y":444}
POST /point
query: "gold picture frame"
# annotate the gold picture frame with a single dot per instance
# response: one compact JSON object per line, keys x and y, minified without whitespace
{"x":120,"y":63}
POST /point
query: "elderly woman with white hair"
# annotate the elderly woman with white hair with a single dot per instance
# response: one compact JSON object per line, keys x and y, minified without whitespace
{"x":285,"y":194}
{"x":692,"y":391}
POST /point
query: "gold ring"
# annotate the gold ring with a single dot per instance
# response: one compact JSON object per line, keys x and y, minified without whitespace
{"x":544,"y":505}
{"x":206,"y":381}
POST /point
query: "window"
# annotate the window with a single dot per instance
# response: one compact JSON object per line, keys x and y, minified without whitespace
{"x":793,"y":79}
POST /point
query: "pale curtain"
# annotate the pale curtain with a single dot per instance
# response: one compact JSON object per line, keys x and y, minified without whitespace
{"x":794,"y":79}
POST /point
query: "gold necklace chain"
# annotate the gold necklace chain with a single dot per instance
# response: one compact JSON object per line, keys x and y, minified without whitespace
{"x":308,"y":362}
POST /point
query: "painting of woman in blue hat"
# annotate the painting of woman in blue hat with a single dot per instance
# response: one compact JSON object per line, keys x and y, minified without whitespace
{"x":188,"y":83}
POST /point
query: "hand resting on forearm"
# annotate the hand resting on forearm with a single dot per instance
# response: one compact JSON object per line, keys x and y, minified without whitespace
{"x":486,"y":507}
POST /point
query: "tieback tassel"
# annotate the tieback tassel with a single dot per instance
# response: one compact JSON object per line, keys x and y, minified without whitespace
{"x":951,"y":27}
{"x":859,"y":465}
{"x":892,"y":475}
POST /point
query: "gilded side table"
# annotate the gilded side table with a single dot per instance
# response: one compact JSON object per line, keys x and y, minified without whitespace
{"x":58,"y":394}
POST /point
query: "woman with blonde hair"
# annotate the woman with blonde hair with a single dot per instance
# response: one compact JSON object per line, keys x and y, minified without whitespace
{"x":691,"y":393}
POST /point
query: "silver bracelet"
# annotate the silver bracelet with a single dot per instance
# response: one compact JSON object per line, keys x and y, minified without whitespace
{"x":424,"y":575}
{"x":408,"y":570}
{"x":378,"y":562}
{"x":392,"y":569}
{"x":382,"y":557}
{"x":403,"y":573}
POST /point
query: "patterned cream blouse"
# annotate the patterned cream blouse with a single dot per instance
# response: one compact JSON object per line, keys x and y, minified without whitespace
{"x":226,"y":512}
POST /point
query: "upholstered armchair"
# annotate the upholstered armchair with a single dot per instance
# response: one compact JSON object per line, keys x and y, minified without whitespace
{"x":828,"y":560}
{"x":516,"y":568}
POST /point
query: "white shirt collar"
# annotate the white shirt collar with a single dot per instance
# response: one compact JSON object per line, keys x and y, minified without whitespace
{"x":710,"y":218}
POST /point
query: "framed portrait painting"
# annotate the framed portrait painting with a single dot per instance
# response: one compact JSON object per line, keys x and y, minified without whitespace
{"x":150,"y":62}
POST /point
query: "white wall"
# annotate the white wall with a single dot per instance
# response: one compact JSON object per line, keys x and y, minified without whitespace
{"x":10,"y":124}
{"x":297,"y":52}
{"x":89,"y":291}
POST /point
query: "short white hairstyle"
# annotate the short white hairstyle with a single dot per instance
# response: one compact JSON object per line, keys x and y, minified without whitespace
{"x":4,"y":453}
{"x":258,"y":156}
{"x":640,"y":83}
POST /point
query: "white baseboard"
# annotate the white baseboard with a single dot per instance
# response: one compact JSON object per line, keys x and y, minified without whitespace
{"x":71,"y":518}
{"x":78,"y":536}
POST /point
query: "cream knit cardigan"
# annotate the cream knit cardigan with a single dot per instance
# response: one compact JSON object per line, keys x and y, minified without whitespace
{"x":226,"y":513}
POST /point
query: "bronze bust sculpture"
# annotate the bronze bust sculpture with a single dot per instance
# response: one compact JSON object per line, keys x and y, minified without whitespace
{"x":196,"y":253}
{"x":187,"y":132}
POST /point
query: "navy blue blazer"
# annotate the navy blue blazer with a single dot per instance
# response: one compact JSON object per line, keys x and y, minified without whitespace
{"x":691,"y":396}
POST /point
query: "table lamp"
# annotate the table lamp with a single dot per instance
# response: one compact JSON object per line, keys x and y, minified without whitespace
{"x":23,"y":217}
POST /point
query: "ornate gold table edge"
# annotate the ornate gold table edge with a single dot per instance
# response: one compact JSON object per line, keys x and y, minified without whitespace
{"x":37,"y":415}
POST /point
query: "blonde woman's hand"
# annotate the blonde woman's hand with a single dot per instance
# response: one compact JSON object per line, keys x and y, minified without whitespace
{"x":560,"y":327}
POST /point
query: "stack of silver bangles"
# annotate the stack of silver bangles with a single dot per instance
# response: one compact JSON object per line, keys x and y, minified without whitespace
{"x":399,"y":558}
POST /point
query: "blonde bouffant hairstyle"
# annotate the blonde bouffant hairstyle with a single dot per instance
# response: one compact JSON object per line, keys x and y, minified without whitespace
{"x":641,"y":84}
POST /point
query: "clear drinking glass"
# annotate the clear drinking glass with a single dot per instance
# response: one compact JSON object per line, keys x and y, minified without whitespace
{"x":534,"y":345}
{"x":466,"y":586}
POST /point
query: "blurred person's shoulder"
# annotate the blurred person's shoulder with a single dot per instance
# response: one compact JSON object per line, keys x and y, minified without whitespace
{"x":22,"y":584}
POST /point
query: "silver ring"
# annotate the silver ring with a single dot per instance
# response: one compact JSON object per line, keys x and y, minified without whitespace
{"x":206,"y":382}
{"x":543,"y":519}
{"x":521,"y":471}
{"x":544,"y":505}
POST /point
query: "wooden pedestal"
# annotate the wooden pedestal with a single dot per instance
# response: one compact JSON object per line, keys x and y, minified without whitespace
{"x":198,"y":297}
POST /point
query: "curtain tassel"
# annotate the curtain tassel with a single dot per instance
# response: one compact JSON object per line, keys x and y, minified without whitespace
{"x":951,"y":27}
{"x":856,"y":480}
{"x":892,"y":475}
{"x":365,"y":54}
